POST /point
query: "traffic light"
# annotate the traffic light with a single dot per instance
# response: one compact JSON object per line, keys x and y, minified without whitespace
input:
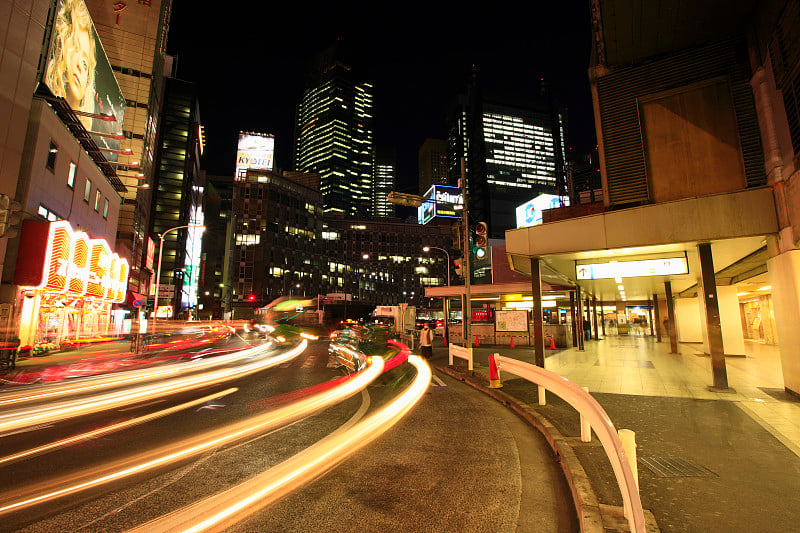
{"x":458,"y":263}
{"x":9,"y":218}
{"x":481,"y":248}
{"x":251,"y":298}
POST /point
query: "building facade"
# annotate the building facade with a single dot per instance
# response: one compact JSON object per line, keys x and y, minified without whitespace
{"x":177,"y":192}
{"x":334,"y":136}
{"x":134,"y":36}
{"x":698,"y":158}
{"x":512,"y":153}
{"x":432,"y":161}
{"x":384,"y":182}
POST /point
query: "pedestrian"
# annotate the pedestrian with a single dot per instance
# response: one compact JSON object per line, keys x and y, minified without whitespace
{"x":426,"y":341}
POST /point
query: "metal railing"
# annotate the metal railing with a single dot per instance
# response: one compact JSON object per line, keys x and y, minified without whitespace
{"x":588,"y":407}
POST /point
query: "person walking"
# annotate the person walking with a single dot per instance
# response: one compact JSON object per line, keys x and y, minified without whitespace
{"x":426,"y":341}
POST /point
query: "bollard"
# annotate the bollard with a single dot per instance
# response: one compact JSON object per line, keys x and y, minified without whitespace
{"x":494,"y":375}
{"x":628,"y":439}
{"x":586,"y":428}
{"x":542,"y":395}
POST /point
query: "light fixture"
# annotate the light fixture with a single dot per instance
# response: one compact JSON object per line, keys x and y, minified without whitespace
{"x":764,"y":288}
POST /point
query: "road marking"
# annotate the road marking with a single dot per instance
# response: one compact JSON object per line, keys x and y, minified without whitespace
{"x":436,"y":382}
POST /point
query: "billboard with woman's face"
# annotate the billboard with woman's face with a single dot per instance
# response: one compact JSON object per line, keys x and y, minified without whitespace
{"x":78,"y":70}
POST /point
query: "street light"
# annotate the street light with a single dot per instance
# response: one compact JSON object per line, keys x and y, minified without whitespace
{"x":446,"y":298}
{"x":160,"y":255}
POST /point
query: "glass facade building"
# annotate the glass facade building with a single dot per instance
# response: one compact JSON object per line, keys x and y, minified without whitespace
{"x":334,"y":138}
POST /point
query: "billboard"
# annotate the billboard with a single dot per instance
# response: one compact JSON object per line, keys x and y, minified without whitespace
{"x":440,"y":201}
{"x":256,"y":151}
{"x":77,"y":70}
{"x":530,"y":213}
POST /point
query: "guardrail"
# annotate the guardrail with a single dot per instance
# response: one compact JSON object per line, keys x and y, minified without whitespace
{"x":455,"y":350}
{"x":588,"y":407}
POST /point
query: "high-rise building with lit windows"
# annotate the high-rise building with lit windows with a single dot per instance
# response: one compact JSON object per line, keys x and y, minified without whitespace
{"x":512,"y":154}
{"x":385,"y":178}
{"x":432,"y":159}
{"x":334,"y":135}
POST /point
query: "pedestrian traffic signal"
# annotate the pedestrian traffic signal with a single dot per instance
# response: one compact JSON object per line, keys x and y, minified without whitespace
{"x":481,"y":248}
{"x":459,"y":264}
{"x":9,"y":218}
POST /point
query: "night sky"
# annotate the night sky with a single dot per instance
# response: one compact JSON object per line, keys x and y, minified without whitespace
{"x":250,"y":62}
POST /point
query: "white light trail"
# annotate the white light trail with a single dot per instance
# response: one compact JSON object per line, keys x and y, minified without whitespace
{"x":226,"y":508}
{"x":194,"y":446}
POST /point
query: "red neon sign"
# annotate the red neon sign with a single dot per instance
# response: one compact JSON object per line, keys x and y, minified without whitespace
{"x":76,"y":265}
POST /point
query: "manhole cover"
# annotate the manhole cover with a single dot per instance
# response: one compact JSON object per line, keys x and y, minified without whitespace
{"x":674,"y":467}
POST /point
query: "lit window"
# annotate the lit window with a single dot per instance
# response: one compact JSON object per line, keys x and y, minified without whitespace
{"x":51,"y":156}
{"x":87,"y":191}
{"x":71,"y":176}
{"x":97,"y":200}
{"x":105,"y":208}
{"x":43,"y":211}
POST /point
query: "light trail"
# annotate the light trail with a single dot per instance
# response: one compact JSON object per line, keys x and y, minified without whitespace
{"x":46,"y":448}
{"x":106,"y":381}
{"x":224,"y":509}
{"x":194,"y":446}
{"x":21,"y":418}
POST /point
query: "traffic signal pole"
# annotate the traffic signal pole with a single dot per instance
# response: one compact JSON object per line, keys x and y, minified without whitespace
{"x":466,"y":308}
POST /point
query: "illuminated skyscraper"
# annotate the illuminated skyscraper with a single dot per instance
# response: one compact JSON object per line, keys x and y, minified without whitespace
{"x":334,"y":136}
{"x":432,"y":164}
{"x":385,"y":177}
{"x":513,"y":152}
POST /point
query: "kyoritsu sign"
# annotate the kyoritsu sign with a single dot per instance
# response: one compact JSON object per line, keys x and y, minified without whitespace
{"x":440,"y":201}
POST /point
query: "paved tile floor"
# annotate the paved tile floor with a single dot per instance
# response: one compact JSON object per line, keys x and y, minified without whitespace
{"x":639,"y":365}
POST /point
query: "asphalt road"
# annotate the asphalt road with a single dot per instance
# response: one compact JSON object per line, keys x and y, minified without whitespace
{"x":458,"y":462}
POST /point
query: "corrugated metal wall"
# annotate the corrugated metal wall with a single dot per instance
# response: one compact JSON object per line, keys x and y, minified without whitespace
{"x":619,"y":90}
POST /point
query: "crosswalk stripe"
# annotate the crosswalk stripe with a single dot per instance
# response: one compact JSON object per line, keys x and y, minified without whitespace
{"x":436,"y":382}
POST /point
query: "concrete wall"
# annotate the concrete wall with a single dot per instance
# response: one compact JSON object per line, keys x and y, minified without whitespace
{"x":731,"y":320}
{"x":690,"y":323}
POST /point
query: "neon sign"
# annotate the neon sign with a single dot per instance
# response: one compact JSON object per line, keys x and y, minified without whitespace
{"x":75,"y":265}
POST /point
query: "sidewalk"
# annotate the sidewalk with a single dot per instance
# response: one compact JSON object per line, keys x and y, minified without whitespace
{"x":707,"y":461}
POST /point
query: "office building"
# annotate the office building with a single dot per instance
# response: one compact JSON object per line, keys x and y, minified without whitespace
{"x":177,"y":196}
{"x":512,"y":151}
{"x":384,"y":183}
{"x":432,"y":160}
{"x":334,"y":135}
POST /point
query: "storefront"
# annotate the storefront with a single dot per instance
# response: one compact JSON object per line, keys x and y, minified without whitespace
{"x":67,"y":285}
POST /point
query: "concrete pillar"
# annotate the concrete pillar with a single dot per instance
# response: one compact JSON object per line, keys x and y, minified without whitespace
{"x":650,"y":315}
{"x":594,"y":319}
{"x":538,"y":329}
{"x":657,"y":318}
{"x":713,"y":325}
{"x":579,"y":313}
{"x":784,"y":277}
{"x":672,"y":331}
{"x":602,"y":318}
{"x":574,"y":318}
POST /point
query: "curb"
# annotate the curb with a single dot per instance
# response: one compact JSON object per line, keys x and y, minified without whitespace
{"x":593,"y":517}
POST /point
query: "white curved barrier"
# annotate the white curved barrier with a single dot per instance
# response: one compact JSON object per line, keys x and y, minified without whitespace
{"x":588,"y":407}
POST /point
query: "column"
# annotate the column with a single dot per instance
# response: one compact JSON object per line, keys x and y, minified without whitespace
{"x":657,"y":318}
{"x":650,"y":315}
{"x":713,"y":324}
{"x":579,"y":313}
{"x":602,"y":317}
{"x":573,"y":318}
{"x":538,"y":328}
{"x":594,"y":318}
{"x":671,"y":330}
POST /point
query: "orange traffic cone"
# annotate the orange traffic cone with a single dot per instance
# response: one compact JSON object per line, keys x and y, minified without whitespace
{"x":477,"y":344}
{"x":552,"y":343}
{"x":494,"y":375}
{"x":512,"y":341}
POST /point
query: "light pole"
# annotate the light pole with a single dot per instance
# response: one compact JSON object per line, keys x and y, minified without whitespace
{"x":158,"y":272}
{"x":446,"y":298}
